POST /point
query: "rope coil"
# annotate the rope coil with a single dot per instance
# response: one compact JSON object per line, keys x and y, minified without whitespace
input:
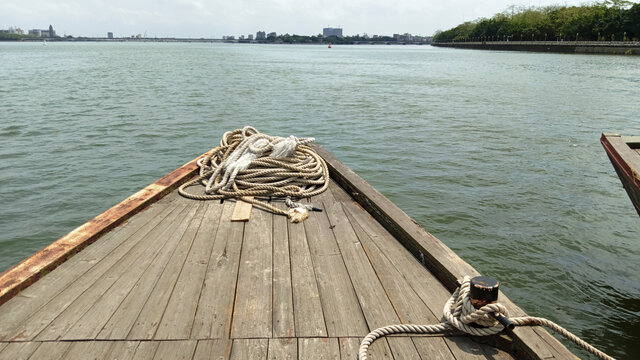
{"x":249,"y":163}
{"x":459,"y":314}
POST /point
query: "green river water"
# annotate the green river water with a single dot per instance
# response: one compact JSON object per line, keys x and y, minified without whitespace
{"x":495,"y":153}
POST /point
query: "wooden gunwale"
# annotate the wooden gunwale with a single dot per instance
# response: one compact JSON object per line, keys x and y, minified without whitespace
{"x":626,"y":162}
{"x":28,"y":271}
{"x":531,"y":343}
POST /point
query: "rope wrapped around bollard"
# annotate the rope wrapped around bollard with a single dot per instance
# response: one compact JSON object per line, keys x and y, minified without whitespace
{"x":249,"y":163}
{"x":459,"y":314}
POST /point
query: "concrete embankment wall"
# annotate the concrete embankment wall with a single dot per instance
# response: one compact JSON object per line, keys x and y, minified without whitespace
{"x":579,"y":47}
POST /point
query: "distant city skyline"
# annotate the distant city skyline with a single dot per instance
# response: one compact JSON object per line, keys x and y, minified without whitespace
{"x":197,"y":18}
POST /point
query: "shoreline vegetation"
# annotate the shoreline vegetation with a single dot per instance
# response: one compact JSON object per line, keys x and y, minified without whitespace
{"x":607,"y":21}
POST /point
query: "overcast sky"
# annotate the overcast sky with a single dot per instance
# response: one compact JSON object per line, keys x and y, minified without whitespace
{"x":215,"y":18}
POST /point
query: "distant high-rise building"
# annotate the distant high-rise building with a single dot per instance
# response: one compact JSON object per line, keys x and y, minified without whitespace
{"x":109,"y":35}
{"x":52,"y":33}
{"x":332,"y":32}
{"x":261,"y":35}
{"x":250,"y":36}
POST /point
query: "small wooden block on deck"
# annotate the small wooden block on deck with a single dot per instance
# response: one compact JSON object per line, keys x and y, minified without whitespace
{"x":242,"y":211}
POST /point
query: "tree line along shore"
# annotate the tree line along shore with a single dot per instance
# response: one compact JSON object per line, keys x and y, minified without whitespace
{"x":611,"y":20}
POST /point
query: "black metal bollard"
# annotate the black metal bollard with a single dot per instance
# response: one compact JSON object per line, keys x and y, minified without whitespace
{"x":483,"y":291}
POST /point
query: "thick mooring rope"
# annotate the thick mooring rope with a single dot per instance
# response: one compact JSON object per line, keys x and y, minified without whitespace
{"x":249,"y":163}
{"x":459,"y":313}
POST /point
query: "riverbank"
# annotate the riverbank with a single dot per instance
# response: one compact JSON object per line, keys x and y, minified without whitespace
{"x":578,"y":47}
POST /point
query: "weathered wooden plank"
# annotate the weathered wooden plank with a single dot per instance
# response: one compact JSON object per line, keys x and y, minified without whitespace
{"x":88,"y":350}
{"x":215,"y":308}
{"x":137,"y":259}
{"x":249,"y":349}
{"x":436,"y":256}
{"x":463,"y":348}
{"x":433,"y":347}
{"x":283,"y":349}
{"x":179,"y":315}
{"x":140,"y":273}
{"x":2,"y":346}
{"x":18,"y":350}
{"x":349,"y":348}
{"x":50,"y":350}
{"x":89,"y":264}
{"x":84,"y":289}
{"x":375,"y":304}
{"x":409,"y":307}
{"x":380,"y":350}
{"x":428,"y":288}
{"x":122,"y":350}
{"x":553,"y":345}
{"x":283,"y":317}
{"x":242,"y":210}
{"x":308,"y":314}
{"x":632,"y":141}
{"x":146,"y":323}
{"x":122,"y":320}
{"x":343,"y":315}
{"x":318,"y":349}
{"x":175,"y":350}
{"x":492,"y":352}
{"x":146,"y":349}
{"x":403,"y":348}
{"x":252,"y":312}
{"x":31,"y":269}
{"x":218,"y":349}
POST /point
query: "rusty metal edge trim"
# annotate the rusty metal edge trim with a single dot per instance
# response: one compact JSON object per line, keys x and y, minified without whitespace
{"x":622,"y":167}
{"x":448,"y":267}
{"x":29,"y":270}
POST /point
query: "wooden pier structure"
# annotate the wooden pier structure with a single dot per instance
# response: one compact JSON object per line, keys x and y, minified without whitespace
{"x":159,"y":276}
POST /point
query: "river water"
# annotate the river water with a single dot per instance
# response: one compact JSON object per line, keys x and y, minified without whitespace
{"x":495,"y":153}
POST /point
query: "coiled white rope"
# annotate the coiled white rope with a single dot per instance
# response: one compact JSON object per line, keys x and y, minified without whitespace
{"x":249,"y":163}
{"x":459,"y":313}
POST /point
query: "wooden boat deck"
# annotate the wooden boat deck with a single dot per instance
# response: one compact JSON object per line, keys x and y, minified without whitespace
{"x":179,"y":280}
